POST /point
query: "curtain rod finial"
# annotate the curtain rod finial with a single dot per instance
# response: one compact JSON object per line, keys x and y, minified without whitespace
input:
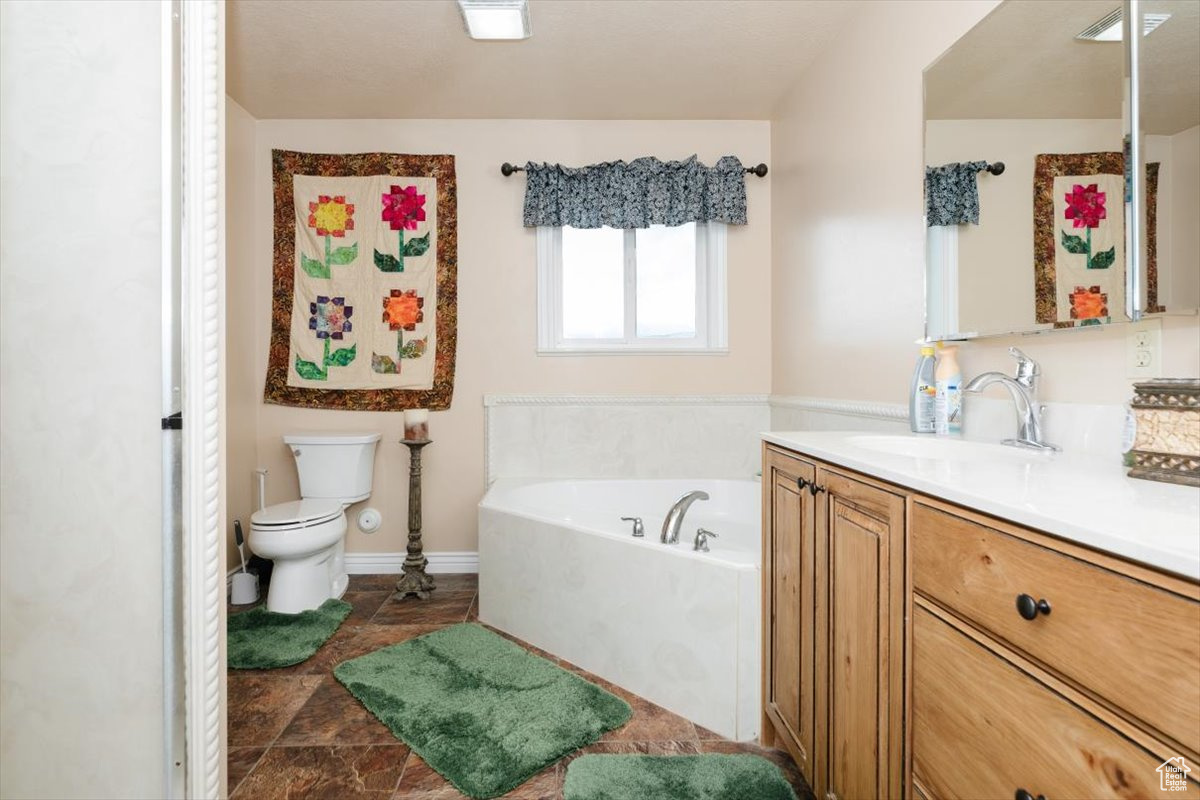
{"x":507,"y":169}
{"x":760,"y":170}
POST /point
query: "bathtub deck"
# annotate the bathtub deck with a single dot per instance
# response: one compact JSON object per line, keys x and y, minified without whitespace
{"x":297,"y":733}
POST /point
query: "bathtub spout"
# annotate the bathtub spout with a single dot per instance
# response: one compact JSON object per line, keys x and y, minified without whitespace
{"x":674,"y":520}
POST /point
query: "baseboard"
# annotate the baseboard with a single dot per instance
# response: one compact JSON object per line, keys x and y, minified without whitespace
{"x":452,"y":562}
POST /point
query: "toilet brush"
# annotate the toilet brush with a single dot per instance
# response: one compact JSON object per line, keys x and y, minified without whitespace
{"x":245,"y":584}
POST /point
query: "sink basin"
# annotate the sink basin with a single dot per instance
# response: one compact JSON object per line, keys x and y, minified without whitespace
{"x":943,"y":449}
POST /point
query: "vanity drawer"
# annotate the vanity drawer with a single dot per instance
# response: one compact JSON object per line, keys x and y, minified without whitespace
{"x":982,"y":728}
{"x":1136,"y":645}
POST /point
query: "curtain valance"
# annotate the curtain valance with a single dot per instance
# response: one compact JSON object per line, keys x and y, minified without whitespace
{"x":952,"y":193}
{"x":637,"y":194}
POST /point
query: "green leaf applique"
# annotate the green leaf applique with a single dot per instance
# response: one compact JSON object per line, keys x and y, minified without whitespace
{"x":383,"y":365}
{"x":309,"y":371}
{"x":342,"y":357}
{"x":414,"y":349}
{"x":1104,"y":259}
{"x":313,"y":268}
{"x":1074,"y":244}
{"x":416,"y":247}
{"x":344,"y":255}
{"x":388,"y":263}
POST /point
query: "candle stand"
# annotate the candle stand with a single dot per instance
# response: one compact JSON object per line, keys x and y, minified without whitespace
{"x":415,"y":580}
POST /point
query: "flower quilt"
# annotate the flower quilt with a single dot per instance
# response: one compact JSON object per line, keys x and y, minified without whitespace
{"x":365,"y":272}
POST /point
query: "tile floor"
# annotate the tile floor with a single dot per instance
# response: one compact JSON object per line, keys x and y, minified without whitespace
{"x":296,"y":733}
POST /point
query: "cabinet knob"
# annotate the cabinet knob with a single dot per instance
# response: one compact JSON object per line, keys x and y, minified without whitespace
{"x":812,"y":487}
{"x":801,"y":483}
{"x":1029,"y":608}
{"x":1024,"y":795}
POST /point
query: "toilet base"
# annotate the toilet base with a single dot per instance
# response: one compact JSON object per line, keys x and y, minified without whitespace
{"x":304,"y":584}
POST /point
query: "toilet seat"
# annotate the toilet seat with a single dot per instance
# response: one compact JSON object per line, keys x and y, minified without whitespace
{"x":306,"y":513}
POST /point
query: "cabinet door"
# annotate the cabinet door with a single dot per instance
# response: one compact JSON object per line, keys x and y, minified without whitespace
{"x":860,"y":612}
{"x":789,"y":550}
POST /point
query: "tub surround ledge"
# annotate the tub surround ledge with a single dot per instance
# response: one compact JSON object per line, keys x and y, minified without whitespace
{"x":1077,"y":497}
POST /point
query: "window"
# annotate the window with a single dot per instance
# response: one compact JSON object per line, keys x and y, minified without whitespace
{"x":653,"y":290}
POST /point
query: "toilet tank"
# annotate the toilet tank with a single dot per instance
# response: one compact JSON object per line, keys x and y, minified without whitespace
{"x":336,"y":466}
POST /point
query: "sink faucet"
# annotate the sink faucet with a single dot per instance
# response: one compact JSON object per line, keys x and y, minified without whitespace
{"x":674,"y":520}
{"x":1023,"y":389}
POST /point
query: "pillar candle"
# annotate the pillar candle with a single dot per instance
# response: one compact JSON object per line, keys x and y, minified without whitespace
{"x":416,"y":424}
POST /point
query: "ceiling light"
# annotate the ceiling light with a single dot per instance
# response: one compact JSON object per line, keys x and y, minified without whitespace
{"x":1108,"y":28}
{"x":496,"y":19}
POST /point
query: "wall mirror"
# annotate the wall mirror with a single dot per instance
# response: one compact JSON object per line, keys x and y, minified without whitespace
{"x":1040,"y":89}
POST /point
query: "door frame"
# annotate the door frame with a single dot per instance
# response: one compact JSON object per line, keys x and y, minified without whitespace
{"x":202,"y":258}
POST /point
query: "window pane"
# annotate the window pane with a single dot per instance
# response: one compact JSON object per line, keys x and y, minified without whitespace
{"x":593,"y":282}
{"x":666,"y":282}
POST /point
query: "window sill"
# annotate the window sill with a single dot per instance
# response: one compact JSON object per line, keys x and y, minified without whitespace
{"x":634,"y":351}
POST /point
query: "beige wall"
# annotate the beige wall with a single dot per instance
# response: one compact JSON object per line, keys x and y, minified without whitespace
{"x":995,"y":257}
{"x":848,"y":252}
{"x":497,"y":291}
{"x":243,"y":387}
{"x":1179,"y":208}
{"x":81,"y":533}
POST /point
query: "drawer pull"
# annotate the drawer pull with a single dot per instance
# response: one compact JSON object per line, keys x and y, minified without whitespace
{"x":812,"y":487}
{"x":1024,"y":795}
{"x":1029,"y":608}
{"x":801,"y":483}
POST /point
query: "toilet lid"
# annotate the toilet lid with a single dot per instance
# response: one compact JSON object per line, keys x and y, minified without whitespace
{"x":297,"y":513}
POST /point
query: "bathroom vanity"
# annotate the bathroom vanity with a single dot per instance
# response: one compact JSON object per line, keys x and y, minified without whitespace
{"x":945,"y":618}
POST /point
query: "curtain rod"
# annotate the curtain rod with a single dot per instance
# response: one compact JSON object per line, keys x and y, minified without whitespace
{"x":507,"y":169}
{"x":995,"y":169}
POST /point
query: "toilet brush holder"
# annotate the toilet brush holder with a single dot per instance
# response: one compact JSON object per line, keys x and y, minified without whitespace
{"x":245,"y":589}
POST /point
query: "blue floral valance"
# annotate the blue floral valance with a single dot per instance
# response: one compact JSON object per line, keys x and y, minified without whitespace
{"x":952,"y":193}
{"x":637,"y":194}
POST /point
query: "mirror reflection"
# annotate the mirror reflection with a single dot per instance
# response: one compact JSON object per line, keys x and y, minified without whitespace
{"x":1040,"y":243}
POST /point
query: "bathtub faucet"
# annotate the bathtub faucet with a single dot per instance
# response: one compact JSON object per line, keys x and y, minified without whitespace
{"x":674,"y":520}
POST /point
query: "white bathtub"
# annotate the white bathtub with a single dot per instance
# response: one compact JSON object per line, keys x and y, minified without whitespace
{"x":559,"y":569}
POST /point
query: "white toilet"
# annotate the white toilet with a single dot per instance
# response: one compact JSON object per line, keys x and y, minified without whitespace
{"x":306,"y":538}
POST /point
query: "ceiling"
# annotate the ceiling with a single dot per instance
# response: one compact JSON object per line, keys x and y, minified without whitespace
{"x":1023,"y":62}
{"x":587,"y":59}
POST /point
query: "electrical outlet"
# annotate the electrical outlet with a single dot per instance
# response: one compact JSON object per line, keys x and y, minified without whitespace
{"x":1143,"y":349}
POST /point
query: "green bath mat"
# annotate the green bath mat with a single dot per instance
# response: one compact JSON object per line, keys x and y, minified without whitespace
{"x":480,"y":710}
{"x":261,"y":639}
{"x":712,"y":776}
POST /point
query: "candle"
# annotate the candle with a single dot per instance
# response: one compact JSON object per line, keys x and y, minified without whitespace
{"x":416,"y":424}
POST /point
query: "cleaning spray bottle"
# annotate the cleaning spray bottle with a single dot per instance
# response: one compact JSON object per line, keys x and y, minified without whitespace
{"x":948,"y":403}
{"x":921,"y":394}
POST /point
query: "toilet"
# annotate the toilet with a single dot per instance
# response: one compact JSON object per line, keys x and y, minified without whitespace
{"x":306,"y":538}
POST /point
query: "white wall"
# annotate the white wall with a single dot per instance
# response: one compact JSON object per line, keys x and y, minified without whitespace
{"x":81,"y":684}
{"x":848,"y":252}
{"x":496,"y":296}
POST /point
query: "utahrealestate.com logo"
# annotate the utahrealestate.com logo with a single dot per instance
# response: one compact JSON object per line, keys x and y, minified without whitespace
{"x":1173,"y":774}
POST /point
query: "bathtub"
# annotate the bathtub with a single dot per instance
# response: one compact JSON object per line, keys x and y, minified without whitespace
{"x":560,"y":570}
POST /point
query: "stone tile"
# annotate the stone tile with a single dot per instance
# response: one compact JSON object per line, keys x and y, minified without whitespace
{"x":261,"y":706}
{"x":462,"y":582}
{"x":365,"y":605}
{"x":422,"y":780}
{"x":440,"y":609}
{"x":325,"y":773}
{"x":334,"y":716}
{"x":362,"y":640}
{"x":704,"y":734}
{"x":241,"y":760}
{"x":372,"y":583}
{"x":473,"y":611}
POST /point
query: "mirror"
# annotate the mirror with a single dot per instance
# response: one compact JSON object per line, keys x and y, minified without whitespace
{"x":1039,"y":88}
{"x":1168,"y":79}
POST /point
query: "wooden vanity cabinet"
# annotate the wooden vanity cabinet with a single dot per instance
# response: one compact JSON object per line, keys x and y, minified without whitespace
{"x":833,"y":605}
{"x":914,"y":648}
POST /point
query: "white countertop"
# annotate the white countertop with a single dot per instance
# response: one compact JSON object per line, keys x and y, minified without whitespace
{"x":1083,"y":499}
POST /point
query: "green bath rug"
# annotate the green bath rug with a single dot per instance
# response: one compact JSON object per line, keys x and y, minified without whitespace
{"x":480,"y":710}
{"x":261,"y":639}
{"x":712,"y":776}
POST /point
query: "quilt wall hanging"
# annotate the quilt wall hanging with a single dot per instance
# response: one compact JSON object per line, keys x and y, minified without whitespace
{"x":1079,"y":237}
{"x":364,"y":315}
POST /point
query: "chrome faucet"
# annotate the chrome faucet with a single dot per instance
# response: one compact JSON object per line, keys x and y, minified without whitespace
{"x":1023,"y":389}
{"x":674,"y":520}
